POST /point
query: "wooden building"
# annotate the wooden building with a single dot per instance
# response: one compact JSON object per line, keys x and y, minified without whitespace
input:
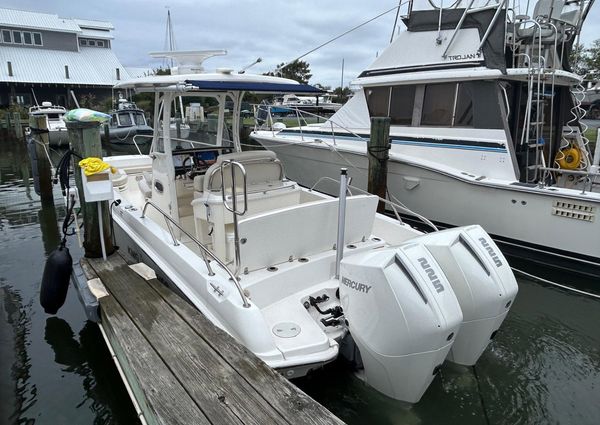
{"x":53,"y":55}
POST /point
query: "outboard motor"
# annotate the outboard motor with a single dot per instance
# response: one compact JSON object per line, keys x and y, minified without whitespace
{"x":402,"y":315}
{"x":482,"y":281}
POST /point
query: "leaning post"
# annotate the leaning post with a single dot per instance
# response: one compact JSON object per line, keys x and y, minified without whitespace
{"x":84,"y":138}
{"x":378,"y":153}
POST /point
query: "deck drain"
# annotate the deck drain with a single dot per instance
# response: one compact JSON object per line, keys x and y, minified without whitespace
{"x":286,"y":329}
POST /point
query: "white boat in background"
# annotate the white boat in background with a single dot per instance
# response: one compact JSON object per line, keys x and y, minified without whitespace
{"x":128,"y":121}
{"x":484,"y":128}
{"x":292,"y":273}
{"x":318,"y":104}
{"x":54,"y":114}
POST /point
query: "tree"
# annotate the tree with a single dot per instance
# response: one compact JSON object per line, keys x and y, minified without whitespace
{"x":342,"y":95}
{"x":592,"y":61}
{"x":577,"y":59}
{"x":297,"y":70}
{"x":586,"y":61}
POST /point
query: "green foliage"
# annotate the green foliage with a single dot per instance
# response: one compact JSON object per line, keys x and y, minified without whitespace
{"x":586,"y":61}
{"x":297,"y":70}
{"x":342,"y":95}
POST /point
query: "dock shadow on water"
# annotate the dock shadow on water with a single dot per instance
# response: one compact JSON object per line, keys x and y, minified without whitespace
{"x":542,"y":368}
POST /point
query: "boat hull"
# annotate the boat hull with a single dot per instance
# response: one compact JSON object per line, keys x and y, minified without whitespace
{"x":125,"y":135}
{"x":521,"y":218}
{"x":58,"y":137}
{"x":137,"y":248}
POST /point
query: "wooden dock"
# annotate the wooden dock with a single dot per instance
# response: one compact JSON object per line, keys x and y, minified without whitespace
{"x":180,"y":368}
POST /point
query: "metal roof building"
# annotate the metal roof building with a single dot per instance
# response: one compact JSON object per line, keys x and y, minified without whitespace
{"x":44,"y":51}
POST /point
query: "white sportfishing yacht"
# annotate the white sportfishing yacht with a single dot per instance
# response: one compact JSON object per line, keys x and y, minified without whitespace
{"x":55,"y":124}
{"x":293,"y":273}
{"x":484,"y":127}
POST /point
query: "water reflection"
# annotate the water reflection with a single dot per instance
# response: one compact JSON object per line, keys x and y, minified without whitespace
{"x":17,"y":393}
{"x":89,"y":358}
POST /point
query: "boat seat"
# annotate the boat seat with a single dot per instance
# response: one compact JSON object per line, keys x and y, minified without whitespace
{"x":543,"y":12}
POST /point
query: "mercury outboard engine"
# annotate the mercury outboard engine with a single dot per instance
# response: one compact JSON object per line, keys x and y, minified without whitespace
{"x":483,"y":282}
{"x":403,"y":316}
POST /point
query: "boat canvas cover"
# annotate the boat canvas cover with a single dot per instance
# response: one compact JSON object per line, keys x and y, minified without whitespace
{"x":253,"y":86}
{"x":493,"y":48}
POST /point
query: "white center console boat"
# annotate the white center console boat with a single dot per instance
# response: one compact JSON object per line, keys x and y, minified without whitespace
{"x":291,"y":272}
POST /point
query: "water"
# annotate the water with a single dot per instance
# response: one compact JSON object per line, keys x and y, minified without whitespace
{"x":542,"y":368}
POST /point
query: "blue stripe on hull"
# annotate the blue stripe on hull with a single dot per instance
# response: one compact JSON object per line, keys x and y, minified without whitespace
{"x":473,"y":146}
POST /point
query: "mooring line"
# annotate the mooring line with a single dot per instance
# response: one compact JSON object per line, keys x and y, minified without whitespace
{"x":569,"y":288}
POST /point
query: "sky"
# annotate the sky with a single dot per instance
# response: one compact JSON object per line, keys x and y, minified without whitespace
{"x":275,"y":30}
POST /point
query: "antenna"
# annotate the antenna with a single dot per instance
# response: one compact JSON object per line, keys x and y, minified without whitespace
{"x":243,"y":70}
{"x":34,"y":98}
{"x":169,"y":39}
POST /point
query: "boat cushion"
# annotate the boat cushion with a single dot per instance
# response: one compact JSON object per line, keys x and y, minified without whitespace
{"x":260,"y":166}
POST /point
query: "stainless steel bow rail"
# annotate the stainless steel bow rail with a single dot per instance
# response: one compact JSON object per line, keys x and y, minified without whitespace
{"x":203,"y":250}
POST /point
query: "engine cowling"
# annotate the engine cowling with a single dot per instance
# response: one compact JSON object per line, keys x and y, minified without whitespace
{"x":482,"y":281}
{"x":403,"y":316}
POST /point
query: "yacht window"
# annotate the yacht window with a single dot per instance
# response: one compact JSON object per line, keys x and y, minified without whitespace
{"x":378,"y":101}
{"x":83,"y":42}
{"x":54,"y":117}
{"x":37,"y":38}
{"x":113,"y":120}
{"x":438,"y":104}
{"x":100,"y":43}
{"x":139,"y":119}
{"x":6,"y":36}
{"x":27,"y":38}
{"x":17,"y":37}
{"x":463,"y":115}
{"x":125,"y":119}
{"x":402,"y":104}
{"x":92,"y":42}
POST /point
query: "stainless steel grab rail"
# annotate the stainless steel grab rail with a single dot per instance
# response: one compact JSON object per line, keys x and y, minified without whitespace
{"x":233,"y":209}
{"x":203,"y":249}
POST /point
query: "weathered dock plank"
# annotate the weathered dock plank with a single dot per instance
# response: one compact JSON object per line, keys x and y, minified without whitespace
{"x":182,"y":368}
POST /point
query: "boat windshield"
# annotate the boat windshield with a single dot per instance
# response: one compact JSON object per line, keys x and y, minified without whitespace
{"x":55,"y":117}
{"x":139,"y":119}
{"x":125,"y":119}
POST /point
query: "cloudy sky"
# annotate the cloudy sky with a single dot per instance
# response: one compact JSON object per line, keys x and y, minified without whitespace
{"x":276,"y":30}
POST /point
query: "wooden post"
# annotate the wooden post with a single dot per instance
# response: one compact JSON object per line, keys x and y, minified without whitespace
{"x":107,"y":144}
{"x":378,"y":154}
{"x":39,"y":127}
{"x":17,"y":125}
{"x":85,"y":141}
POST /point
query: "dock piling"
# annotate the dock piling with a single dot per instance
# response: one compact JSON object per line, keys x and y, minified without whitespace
{"x":17,"y":125}
{"x":39,"y":135}
{"x":85,"y":141}
{"x":378,"y":149}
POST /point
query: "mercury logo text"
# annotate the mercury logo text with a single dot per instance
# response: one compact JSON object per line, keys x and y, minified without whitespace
{"x":360,"y":287}
{"x":491,"y":252}
{"x":431,"y":274}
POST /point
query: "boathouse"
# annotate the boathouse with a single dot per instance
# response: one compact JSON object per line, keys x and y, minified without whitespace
{"x":53,"y":55}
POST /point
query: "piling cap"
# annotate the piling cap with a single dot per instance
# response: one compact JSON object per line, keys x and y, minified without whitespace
{"x":344,"y":171}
